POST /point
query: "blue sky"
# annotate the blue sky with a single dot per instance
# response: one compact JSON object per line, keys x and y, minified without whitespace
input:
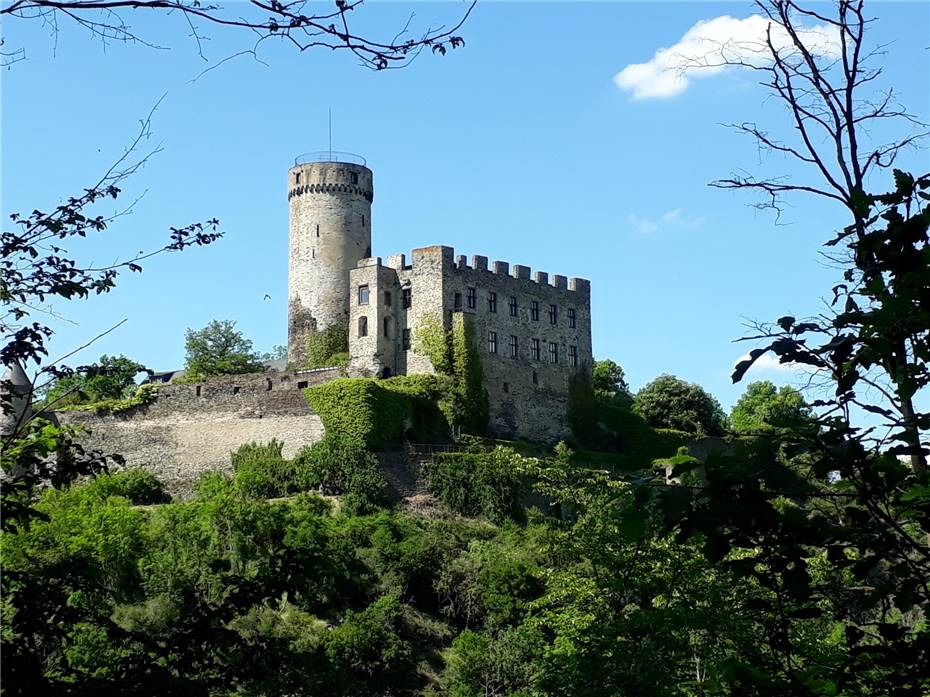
{"x":520,"y":146}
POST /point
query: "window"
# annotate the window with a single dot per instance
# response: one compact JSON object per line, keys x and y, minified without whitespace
{"x":268,"y":384}
{"x":492,"y":302}
{"x":472,"y":297}
{"x":571,"y":317}
{"x":513,"y":305}
{"x":363,"y":295}
{"x":573,"y":356}
{"x":198,"y":390}
{"x":406,"y":297}
{"x":354,"y":177}
{"x":458,"y":301}
{"x":406,"y":340}
{"x":535,"y":378}
{"x":534,"y":311}
{"x":387,"y":298}
{"x":506,"y":387}
{"x":553,"y":314}
{"x":387,"y":327}
{"x":553,"y":352}
{"x":362,"y":326}
{"x":534,"y":349}
{"x":492,"y":342}
{"x":302,"y":385}
{"x":237,"y":389}
{"x":297,"y":177}
{"x":317,"y":229}
{"x":513,"y":346}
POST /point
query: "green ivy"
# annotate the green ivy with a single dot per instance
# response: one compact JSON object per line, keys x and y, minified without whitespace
{"x":471,"y":409}
{"x":432,"y":340}
{"x":380,"y":413}
{"x":144,"y":394}
{"x":328,"y":347}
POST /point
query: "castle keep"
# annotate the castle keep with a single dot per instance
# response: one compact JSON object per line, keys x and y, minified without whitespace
{"x":532,"y":331}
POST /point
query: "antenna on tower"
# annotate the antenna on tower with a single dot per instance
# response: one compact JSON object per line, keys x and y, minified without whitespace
{"x":330,"y":134}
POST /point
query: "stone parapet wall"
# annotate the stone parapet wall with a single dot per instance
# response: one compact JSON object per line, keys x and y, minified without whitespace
{"x":192,"y":428}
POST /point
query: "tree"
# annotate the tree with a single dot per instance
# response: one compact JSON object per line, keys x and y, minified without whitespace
{"x":296,"y":22}
{"x":610,"y":382}
{"x":218,"y":349}
{"x":112,"y":377}
{"x":763,"y":407}
{"x":670,"y":402}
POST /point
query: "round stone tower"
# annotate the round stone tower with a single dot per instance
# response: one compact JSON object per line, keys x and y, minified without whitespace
{"x":330,"y":198}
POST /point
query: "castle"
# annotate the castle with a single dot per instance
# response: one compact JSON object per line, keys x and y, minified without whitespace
{"x":532,"y":332}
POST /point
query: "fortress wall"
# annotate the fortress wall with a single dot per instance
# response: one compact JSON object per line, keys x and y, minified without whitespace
{"x":191,"y":429}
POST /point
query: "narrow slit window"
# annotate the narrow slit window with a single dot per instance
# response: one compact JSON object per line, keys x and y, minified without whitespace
{"x":458,"y":301}
{"x":535,"y":378}
{"x":571,"y":317}
{"x":534,"y":311}
{"x":297,"y":178}
{"x":387,"y":327}
{"x":362,"y":326}
{"x":407,"y":298}
{"x":355,"y":177}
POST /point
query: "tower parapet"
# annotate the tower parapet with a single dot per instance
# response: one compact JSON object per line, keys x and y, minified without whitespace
{"x":330,"y":197}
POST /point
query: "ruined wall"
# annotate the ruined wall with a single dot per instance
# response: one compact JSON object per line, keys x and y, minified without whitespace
{"x":191,"y":429}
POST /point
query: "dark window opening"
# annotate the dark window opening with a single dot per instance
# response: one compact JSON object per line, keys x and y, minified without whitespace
{"x":534,"y":311}
{"x":236,"y":389}
{"x":458,"y":301}
{"x":472,"y":298}
{"x":492,"y":302}
{"x":302,"y":384}
{"x":363,"y":295}
{"x":386,"y":372}
{"x":355,"y":177}
{"x":197,"y":391}
{"x":297,"y":178}
{"x":407,"y":297}
{"x":506,"y":387}
{"x":362,"y":326}
{"x":387,"y":298}
{"x":492,"y":342}
{"x":535,"y":378}
{"x":571,"y":317}
{"x":573,"y":356}
{"x":553,"y":352}
{"x":268,"y":384}
{"x":513,"y":305}
{"x":513,"y":346}
{"x":387,"y":327}
{"x":553,"y":314}
{"x":406,"y":340}
{"x":317,"y":229}
{"x":535,"y":349}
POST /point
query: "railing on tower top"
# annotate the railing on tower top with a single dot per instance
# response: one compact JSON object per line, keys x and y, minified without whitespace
{"x":329,"y":156}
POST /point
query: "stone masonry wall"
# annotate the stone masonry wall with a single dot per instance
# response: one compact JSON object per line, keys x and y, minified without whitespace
{"x":193,"y":428}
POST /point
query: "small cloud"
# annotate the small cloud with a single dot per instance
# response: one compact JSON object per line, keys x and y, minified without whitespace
{"x":767,"y":363}
{"x":711,"y":46}
{"x":674,"y":219}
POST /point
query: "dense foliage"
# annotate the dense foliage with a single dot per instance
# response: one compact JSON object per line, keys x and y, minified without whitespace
{"x":218,"y":349}
{"x":763,"y":407}
{"x":110,"y":378}
{"x":328,"y":348}
{"x":670,"y":402}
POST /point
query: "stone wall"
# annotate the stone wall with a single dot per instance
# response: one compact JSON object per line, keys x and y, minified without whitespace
{"x":190,"y":429}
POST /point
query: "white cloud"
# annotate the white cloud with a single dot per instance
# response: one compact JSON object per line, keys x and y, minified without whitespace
{"x":673,"y":219}
{"x":707,"y":48}
{"x":767,"y":363}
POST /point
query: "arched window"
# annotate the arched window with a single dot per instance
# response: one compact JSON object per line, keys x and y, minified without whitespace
{"x":363,"y":326}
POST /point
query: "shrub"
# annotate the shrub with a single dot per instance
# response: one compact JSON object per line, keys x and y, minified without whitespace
{"x":488,"y":484}
{"x":328,"y":347}
{"x":139,"y":486}
{"x":262,"y":472}
{"x":336,"y":466}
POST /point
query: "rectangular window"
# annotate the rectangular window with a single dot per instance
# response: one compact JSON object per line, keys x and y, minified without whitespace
{"x":472,"y":296}
{"x":492,"y":342}
{"x":535,"y":378}
{"x":513,"y":305}
{"x":553,"y":352}
{"x":513,"y":346}
{"x":387,"y":298}
{"x":506,"y":387}
{"x":362,"y":326}
{"x":406,"y":297}
{"x":492,"y":302}
{"x":534,"y":349}
{"x":406,"y":340}
{"x":534,"y":311}
{"x":458,"y":301}
{"x":553,"y":314}
{"x":387,"y":327}
{"x":571,"y":317}
{"x":363,"y":295}
{"x":573,"y":356}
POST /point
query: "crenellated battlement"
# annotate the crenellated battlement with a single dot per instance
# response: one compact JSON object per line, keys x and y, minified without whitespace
{"x":457,"y":263}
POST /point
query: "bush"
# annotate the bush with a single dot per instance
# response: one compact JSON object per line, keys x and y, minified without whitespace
{"x":336,"y":466}
{"x":328,"y":348}
{"x":488,"y":484}
{"x":262,"y":472}
{"x":139,"y":486}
